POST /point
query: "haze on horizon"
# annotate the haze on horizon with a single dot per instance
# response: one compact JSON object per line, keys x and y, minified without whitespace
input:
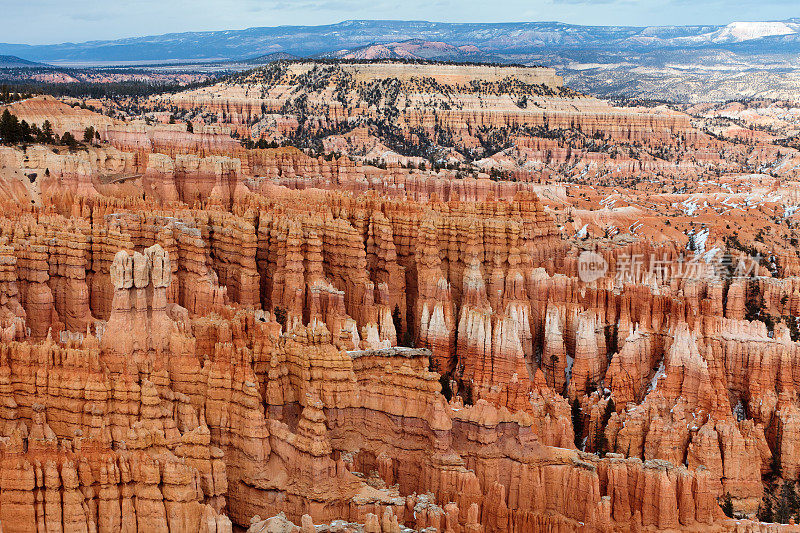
{"x":55,"y":21}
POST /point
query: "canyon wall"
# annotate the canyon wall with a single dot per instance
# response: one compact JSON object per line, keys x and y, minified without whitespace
{"x":243,"y":363}
{"x":199,"y":336}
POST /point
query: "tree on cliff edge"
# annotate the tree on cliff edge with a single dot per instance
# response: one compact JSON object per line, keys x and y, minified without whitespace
{"x":47,"y":132}
{"x":727,"y":505}
{"x":788,"y":503}
{"x":69,"y":140}
{"x":280,"y":317}
{"x":9,"y":128}
{"x":577,"y":423}
{"x":397,"y":319}
{"x":601,"y":444}
{"x":765,"y":509}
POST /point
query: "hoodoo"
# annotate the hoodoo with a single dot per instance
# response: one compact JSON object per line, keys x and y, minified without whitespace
{"x":351,"y":296}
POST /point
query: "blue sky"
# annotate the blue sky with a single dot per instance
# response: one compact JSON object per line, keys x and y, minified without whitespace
{"x":55,"y":21}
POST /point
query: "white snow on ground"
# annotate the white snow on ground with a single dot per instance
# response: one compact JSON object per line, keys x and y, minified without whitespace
{"x":689,"y":207}
{"x":633,"y":228}
{"x":608,"y":201}
{"x":699,"y":239}
{"x":568,"y":369}
{"x":738,"y":411}
{"x":660,"y":373}
{"x":736,"y":32}
{"x":709,"y":255}
{"x":726,"y":203}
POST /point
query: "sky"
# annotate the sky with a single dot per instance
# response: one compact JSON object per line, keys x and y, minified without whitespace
{"x":57,"y":21}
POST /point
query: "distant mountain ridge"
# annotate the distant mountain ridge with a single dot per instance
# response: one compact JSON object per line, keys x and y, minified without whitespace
{"x":491,"y":39}
{"x":269,"y":58}
{"x":674,"y":63}
{"x":9,"y":61}
{"x":415,"y":49}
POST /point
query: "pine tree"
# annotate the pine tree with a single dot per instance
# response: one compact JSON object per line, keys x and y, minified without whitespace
{"x":25,"y":132}
{"x":280,"y":316}
{"x":765,"y":510}
{"x":786,"y":503}
{"x":600,"y":440}
{"x":577,"y":422}
{"x":5,"y":127}
{"x":88,"y":134}
{"x":775,"y":465}
{"x":47,"y":132}
{"x":692,"y":245}
{"x":10,"y":128}
{"x":69,"y":140}
{"x":447,"y":392}
{"x":398,"y":321}
{"x":791,"y":495}
{"x":727,"y":505}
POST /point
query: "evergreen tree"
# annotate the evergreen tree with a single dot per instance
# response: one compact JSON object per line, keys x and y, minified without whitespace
{"x":787,"y":503}
{"x":47,"y":132}
{"x":775,"y":465}
{"x":577,"y":423}
{"x":34,"y":132}
{"x":600,"y":440}
{"x":782,"y":511}
{"x":280,"y":317}
{"x":189,"y":127}
{"x":765,"y":510}
{"x":791,"y":495}
{"x":88,"y":134}
{"x":9,"y":128}
{"x":727,"y":505}
{"x":69,"y":140}
{"x":25,"y":132}
{"x":398,"y":321}
{"x":692,"y":245}
{"x":447,"y":392}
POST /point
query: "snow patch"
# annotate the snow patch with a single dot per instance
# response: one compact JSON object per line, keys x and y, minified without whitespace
{"x":568,"y":369}
{"x":660,"y":373}
{"x":737,"y":32}
{"x":739,"y":411}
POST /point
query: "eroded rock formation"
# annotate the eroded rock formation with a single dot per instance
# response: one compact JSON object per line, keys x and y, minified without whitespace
{"x":198,"y":336}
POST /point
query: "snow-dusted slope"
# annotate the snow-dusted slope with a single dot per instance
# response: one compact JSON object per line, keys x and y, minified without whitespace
{"x":392,"y":38}
{"x":737,"y":32}
{"x":746,"y":31}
